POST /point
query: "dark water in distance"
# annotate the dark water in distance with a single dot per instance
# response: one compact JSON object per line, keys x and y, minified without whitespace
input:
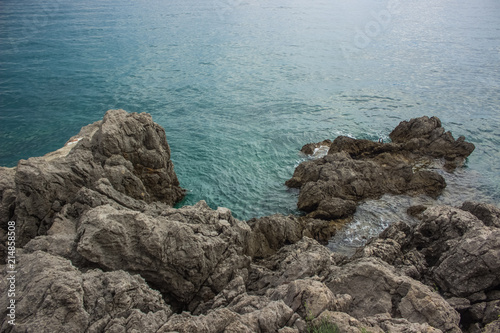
{"x":241,"y":85}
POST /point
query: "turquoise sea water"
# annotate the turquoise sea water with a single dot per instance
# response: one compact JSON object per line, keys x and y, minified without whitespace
{"x":241,"y":85}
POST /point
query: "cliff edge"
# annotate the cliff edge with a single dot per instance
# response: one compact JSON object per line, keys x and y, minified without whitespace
{"x":99,"y":248}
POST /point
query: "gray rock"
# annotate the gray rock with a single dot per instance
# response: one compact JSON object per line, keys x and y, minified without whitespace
{"x":136,"y":157}
{"x":440,"y":229}
{"x":493,"y":295}
{"x":7,"y":195}
{"x":376,"y":288}
{"x":426,"y":136}
{"x":332,"y":185}
{"x":355,"y":170}
{"x":179,"y":253}
{"x":452,"y":251}
{"x":288,"y":330}
{"x":375,"y":324}
{"x":493,"y":327}
{"x":442,"y":250}
{"x":476,"y":312}
{"x":389,"y":244}
{"x":398,"y":325}
{"x":244,"y":314}
{"x":492,"y":312}
{"x":65,"y":299}
{"x":344,"y":322}
{"x":306,"y":258}
{"x":459,"y":304}
{"x":307,"y":297}
{"x":471,"y":265}
{"x":270,"y":318}
{"x":309,"y":148}
{"x":129,"y":150}
{"x":104,"y":202}
{"x":270,"y":233}
{"x":489,"y":214}
{"x":213,"y":322}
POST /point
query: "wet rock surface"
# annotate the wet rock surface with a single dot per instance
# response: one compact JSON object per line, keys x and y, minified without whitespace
{"x":354,"y":170}
{"x":111,"y":259}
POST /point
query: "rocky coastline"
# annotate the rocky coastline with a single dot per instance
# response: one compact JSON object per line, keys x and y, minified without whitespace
{"x":100,"y":248}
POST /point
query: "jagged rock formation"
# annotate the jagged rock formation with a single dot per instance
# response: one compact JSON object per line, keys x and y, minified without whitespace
{"x":353,"y":170}
{"x":454,"y":250}
{"x":112,"y":259}
{"x":54,"y":296}
{"x":127,"y":151}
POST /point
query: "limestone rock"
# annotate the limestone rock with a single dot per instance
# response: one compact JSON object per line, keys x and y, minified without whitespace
{"x":244,"y":314}
{"x":213,"y":322}
{"x":129,"y":150}
{"x":458,"y":303}
{"x":341,"y":320}
{"x":179,"y":252}
{"x":471,"y":265}
{"x":306,"y":297}
{"x":493,"y":327}
{"x":136,"y":157}
{"x":7,"y":194}
{"x":425,"y":135}
{"x":332,"y":185}
{"x":355,"y":170}
{"x":310,"y":148}
{"x":377,"y":288}
{"x":270,"y":233}
{"x":386,"y":323}
{"x":488,"y":214}
{"x":452,"y":251}
{"x":7,"y":205}
{"x":64,"y":299}
{"x":375,"y":324}
{"x":306,"y":258}
{"x":460,"y":253}
{"x":97,"y":232}
{"x":389,"y":244}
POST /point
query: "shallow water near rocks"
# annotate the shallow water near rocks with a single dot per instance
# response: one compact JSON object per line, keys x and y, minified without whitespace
{"x":240,"y":86}
{"x":373,"y":216}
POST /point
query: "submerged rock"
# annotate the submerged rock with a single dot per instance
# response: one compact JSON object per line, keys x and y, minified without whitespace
{"x":354,"y":170}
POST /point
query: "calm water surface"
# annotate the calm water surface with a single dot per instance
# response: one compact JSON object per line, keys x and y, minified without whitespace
{"x":240,"y":86}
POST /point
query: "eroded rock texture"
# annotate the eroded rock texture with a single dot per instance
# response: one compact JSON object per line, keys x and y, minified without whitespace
{"x":54,"y":296}
{"x":187,"y":253}
{"x":102,"y":250}
{"x":454,"y":252}
{"x":127,"y":151}
{"x":353,"y":170}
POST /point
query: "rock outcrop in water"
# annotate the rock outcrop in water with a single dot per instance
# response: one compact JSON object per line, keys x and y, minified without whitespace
{"x":354,"y":170}
{"x":107,"y":256}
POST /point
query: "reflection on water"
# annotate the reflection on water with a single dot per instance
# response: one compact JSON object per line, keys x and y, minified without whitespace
{"x":373,"y":216}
